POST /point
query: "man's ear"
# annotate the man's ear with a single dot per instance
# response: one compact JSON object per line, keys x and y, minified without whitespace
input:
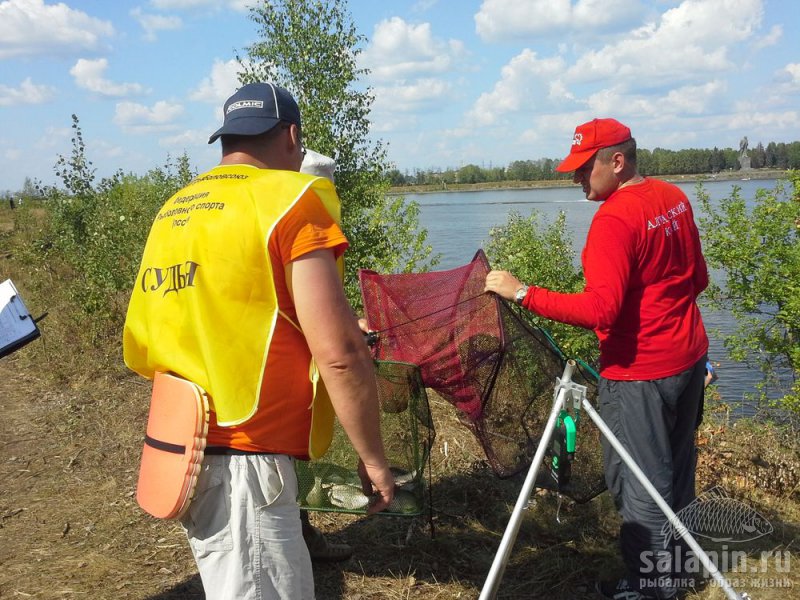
{"x":618,"y":162}
{"x":294,"y":137}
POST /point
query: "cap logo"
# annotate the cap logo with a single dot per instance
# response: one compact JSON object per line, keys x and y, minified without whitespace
{"x":245,"y":104}
{"x":576,"y":141}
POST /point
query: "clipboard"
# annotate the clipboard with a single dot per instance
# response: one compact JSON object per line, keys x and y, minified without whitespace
{"x":17,"y":326}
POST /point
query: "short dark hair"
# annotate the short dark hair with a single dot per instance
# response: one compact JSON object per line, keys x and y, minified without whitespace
{"x":628,"y":149}
{"x":230,"y":141}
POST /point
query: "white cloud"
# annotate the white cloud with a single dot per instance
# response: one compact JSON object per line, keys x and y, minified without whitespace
{"x":152,"y":24}
{"x":27,"y":93}
{"x":685,"y":101}
{"x":783,"y":90}
{"x":137,"y":118}
{"x":88,"y":74}
{"x":557,"y":92}
{"x":793,"y":70}
{"x":693,"y":99}
{"x":238,"y":5}
{"x":54,"y":137}
{"x":525,"y":82}
{"x":412,"y":97}
{"x":383,"y":123}
{"x":688,"y":42}
{"x":400,"y":50}
{"x":423,"y":5}
{"x":769,"y":125}
{"x":773,"y":37}
{"x":185,"y":139}
{"x":32,"y":28}
{"x":107,"y":149}
{"x":549,"y":135}
{"x":220,"y":84}
{"x":499,"y":20}
{"x":712,"y":21}
{"x":12,"y":154}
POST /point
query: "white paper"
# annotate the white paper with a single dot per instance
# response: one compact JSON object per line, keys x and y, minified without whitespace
{"x":16,"y":324}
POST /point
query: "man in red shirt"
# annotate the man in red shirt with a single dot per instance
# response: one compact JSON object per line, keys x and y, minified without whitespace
{"x":644,"y":269}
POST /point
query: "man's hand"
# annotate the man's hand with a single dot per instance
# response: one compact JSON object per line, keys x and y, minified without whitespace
{"x":370,"y":336}
{"x":362,"y":324}
{"x":502,"y":283}
{"x":377,"y":482}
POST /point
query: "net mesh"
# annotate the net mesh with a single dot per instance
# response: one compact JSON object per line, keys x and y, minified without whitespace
{"x":332,"y":484}
{"x":485,"y":358}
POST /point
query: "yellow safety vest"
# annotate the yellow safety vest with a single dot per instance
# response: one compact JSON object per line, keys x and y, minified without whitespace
{"x":204,"y":305}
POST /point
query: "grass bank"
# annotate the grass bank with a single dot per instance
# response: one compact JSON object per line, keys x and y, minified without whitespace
{"x":522,"y":185}
{"x":71,"y":434}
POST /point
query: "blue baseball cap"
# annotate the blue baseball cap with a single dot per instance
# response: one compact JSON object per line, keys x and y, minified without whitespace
{"x":256,"y":108}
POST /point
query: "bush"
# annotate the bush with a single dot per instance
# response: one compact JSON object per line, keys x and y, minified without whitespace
{"x":757,"y":246}
{"x":85,"y":240}
{"x":542,"y":254}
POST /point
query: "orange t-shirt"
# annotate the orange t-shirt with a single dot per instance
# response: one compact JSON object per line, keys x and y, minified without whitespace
{"x":281,"y":423}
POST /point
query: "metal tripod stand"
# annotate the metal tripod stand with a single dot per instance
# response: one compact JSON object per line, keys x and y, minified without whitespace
{"x":568,"y":394}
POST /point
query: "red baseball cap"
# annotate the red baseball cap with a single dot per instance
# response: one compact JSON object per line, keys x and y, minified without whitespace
{"x":589,"y":138}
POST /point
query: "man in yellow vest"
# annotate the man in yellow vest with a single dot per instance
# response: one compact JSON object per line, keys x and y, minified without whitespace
{"x":240,"y":292}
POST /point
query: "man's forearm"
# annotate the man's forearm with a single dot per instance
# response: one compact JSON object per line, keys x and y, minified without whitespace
{"x":350,"y":381}
{"x":338,"y":346}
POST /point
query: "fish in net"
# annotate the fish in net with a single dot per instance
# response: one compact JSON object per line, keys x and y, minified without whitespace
{"x":486,"y":358}
{"x":331,"y":484}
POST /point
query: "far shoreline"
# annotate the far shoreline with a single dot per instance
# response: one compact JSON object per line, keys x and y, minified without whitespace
{"x":549,"y":183}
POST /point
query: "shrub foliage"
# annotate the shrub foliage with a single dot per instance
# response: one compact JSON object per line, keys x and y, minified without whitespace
{"x":539,"y":252}
{"x":85,"y":238}
{"x":756,"y":245}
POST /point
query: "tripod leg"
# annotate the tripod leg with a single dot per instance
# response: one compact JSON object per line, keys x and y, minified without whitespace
{"x":512,"y":529}
{"x":680,"y":528}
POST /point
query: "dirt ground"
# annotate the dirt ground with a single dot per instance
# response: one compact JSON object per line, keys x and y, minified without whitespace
{"x":70,"y":526}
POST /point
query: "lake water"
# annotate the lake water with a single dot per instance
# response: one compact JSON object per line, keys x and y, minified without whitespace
{"x":458,"y":224}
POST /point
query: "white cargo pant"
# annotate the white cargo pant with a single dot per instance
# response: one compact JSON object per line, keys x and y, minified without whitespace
{"x":244,"y":529}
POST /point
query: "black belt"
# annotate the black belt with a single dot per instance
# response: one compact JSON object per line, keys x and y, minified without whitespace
{"x":222,"y":450}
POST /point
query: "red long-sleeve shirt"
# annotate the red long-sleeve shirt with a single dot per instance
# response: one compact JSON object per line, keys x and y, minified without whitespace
{"x":644,"y":268}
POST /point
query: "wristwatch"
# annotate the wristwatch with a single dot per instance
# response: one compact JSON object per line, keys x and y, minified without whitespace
{"x":521,"y":293}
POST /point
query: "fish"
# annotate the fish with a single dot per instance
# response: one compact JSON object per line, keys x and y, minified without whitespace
{"x":347,"y":496}
{"x":350,"y":497}
{"x":404,"y":502}
{"x":720,"y":518}
{"x":404,"y":479}
{"x":316,"y":497}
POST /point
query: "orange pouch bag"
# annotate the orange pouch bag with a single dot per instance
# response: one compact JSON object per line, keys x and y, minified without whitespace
{"x":173,"y":446}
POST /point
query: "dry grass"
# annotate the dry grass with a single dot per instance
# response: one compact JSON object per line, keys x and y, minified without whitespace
{"x":70,"y":439}
{"x":70,"y":525}
{"x":6,"y":225}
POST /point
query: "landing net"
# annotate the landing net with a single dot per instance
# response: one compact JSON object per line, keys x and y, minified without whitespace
{"x":484,"y":357}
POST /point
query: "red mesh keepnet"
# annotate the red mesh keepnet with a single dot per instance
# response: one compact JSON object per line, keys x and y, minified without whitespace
{"x":428,"y":319}
{"x":479,"y":355}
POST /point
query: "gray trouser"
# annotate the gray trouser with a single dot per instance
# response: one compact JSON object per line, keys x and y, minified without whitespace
{"x":655,"y":421}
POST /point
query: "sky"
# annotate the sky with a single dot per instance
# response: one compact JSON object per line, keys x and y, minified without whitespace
{"x":455,"y":82}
